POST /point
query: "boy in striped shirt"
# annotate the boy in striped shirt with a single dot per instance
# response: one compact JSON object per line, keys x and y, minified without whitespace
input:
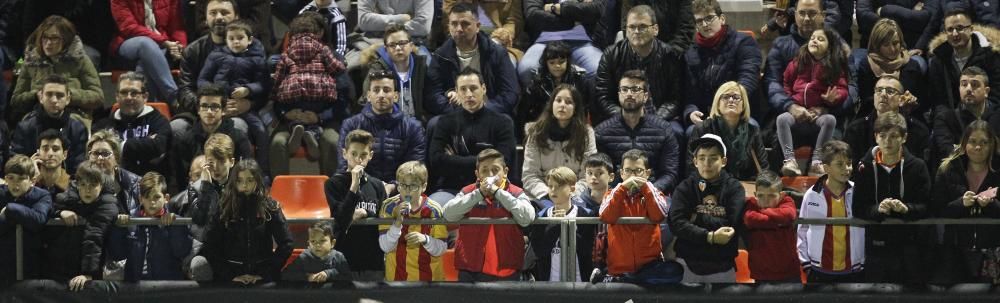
{"x":412,"y":252}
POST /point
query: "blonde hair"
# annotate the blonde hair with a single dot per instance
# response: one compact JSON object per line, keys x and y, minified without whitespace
{"x":412,"y":169}
{"x":110,"y":137}
{"x":219,"y":146}
{"x":726,"y":88}
{"x":561,"y":176}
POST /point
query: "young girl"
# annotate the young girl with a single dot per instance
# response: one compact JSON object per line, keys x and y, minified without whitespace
{"x":817,"y":81}
{"x":965,"y":187}
{"x":240,"y":239}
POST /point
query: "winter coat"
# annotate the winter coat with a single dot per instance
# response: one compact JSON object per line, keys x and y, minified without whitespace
{"x":157,"y":250}
{"x":806,"y":86}
{"x":652,"y":135}
{"x":248,"y":244}
{"x":571,"y":14}
{"x":334,"y":265}
{"x":230,"y":70}
{"x":545,"y":238}
{"x":25,"y":138}
{"x":358,"y":243}
{"x":782,"y":53}
{"x":949,"y":186}
{"x":538,"y":162}
{"x":304,"y":78}
{"x":915,"y":23}
{"x":141,"y":153}
{"x":507,"y":14}
{"x":194,"y":58}
{"x":398,"y":139}
{"x":743,"y":170}
{"x":860,"y":135}
{"x":539,"y":93}
{"x":31,"y":211}
{"x":130,"y":15}
{"x":79,"y":250}
{"x":693,"y":216}
{"x":736,"y":58}
{"x":376,"y":58}
{"x":664,"y":68}
{"x":127,"y":197}
{"x":374,"y":16}
{"x":201,"y":204}
{"x":478,"y":131}
{"x":190,"y":144}
{"x":771,"y":239}
{"x":85,"y":91}
{"x":495,"y":67}
{"x":911,"y":76}
{"x":632,"y":246}
{"x":675,"y":18}
{"x":944,"y":74}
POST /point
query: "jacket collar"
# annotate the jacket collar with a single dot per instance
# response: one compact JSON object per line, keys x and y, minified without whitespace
{"x":384,"y":120}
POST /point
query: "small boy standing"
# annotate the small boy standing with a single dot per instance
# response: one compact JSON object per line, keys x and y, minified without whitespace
{"x":599,"y":174}
{"x":707,"y":215}
{"x":25,"y":205}
{"x":415,"y":255}
{"x":545,"y":238}
{"x":155,"y":252}
{"x":319,"y":263}
{"x":831,"y":253}
{"x":770,"y":221}
{"x":354,"y":195}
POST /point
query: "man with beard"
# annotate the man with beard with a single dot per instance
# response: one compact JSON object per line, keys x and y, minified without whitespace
{"x":54,"y":96}
{"x":967,"y":45}
{"x":633,"y":128}
{"x":49,"y":158}
{"x":145,"y":132}
{"x":949,"y":123}
{"x":889,"y":96}
{"x":211,"y":120}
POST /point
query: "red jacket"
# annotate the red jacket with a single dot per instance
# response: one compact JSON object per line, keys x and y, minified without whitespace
{"x":130,"y":15}
{"x":471,"y":246}
{"x":630,"y":246}
{"x":806,"y":88}
{"x":771,"y":235}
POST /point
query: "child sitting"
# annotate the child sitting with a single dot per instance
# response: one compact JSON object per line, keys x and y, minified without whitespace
{"x":155,"y":252}
{"x":25,"y":205}
{"x":319,"y":263}
{"x":817,"y":82}
{"x":545,"y":238}
{"x":75,"y":254}
{"x":770,"y":221}
{"x":425,"y":242}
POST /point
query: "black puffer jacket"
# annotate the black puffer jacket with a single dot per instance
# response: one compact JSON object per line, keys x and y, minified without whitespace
{"x":31,"y":211}
{"x":664,"y":69}
{"x":398,"y":139}
{"x":244,"y":245}
{"x":25,"y":137}
{"x":78,"y":250}
{"x":468,"y":134}
{"x":653,"y":136}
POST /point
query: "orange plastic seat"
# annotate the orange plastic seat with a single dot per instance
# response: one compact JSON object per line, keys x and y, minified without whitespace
{"x":450,"y":272}
{"x":301,"y":196}
{"x":800,"y":183}
{"x":743,"y":267}
{"x":162,"y":107}
{"x":295,"y":255}
{"x":749,"y":33}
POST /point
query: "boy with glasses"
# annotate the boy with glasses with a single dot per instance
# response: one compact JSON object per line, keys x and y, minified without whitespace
{"x":412,"y":252}
{"x":211,"y":120}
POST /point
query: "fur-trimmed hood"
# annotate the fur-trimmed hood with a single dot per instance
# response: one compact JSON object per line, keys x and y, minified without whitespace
{"x":35,"y":57}
{"x":988,"y":37}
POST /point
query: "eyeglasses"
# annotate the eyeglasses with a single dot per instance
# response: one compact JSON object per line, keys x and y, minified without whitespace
{"x":808,"y":14}
{"x":396,"y":44}
{"x":706,"y":21}
{"x":958,"y":29}
{"x":51,"y":39}
{"x":638,"y":28}
{"x":101,"y":154}
{"x":408,"y":187}
{"x":210,"y":107}
{"x":131,"y":93}
{"x":887,"y":90}
{"x":633,"y":171}
{"x":632,"y":89}
{"x":731,"y":98}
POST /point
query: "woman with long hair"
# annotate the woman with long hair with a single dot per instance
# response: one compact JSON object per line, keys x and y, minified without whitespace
{"x":554,"y":68}
{"x":965,"y":187}
{"x":560,"y":137}
{"x":249,"y":224}
{"x":730,"y":119}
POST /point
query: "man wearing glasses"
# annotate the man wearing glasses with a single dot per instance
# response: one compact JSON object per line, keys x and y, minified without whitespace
{"x":949,"y":123}
{"x":144,"y":131}
{"x":641,"y":50}
{"x":408,"y":68}
{"x":966,"y":46}
{"x":633,"y":128}
{"x":211,"y":119}
{"x":54,"y":96}
{"x":889,"y":97}
{"x":402,"y":137}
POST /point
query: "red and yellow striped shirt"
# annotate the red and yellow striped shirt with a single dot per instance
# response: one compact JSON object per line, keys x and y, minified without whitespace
{"x":414,"y":263}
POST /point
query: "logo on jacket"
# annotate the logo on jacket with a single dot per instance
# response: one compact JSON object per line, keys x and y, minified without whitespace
{"x":710,"y":206}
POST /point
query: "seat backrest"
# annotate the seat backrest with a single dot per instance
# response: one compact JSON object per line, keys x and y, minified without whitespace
{"x":161,"y":107}
{"x":743,"y":267}
{"x":301,"y":196}
{"x":450,"y":272}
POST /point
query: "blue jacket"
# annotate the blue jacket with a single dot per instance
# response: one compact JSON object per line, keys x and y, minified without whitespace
{"x":247,"y":69}
{"x":25,"y":137}
{"x":398,"y":139}
{"x":652,"y":135}
{"x":161,"y":248}
{"x":498,"y":74}
{"x":737,"y":58}
{"x":783,"y":51}
{"x":31,"y":212}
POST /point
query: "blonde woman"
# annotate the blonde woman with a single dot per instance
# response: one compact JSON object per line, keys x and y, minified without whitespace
{"x":729,"y":118}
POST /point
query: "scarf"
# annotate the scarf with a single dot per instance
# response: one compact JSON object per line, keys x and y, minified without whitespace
{"x":556,"y":133}
{"x":884,"y":66}
{"x":711,"y":43}
{"x":736,"y":140}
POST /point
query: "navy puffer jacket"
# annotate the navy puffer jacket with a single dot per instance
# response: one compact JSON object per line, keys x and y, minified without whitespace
{"x":652,"y":135}
{"x":737,"y":58}
{"x":398,"y":139}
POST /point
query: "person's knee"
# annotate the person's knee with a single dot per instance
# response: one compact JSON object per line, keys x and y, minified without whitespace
{"x":785,"y":120}
{"x":330,"y":138}
{"x":826,"y":121}
{"x":241,"y":125}
{"x":201,"y":270}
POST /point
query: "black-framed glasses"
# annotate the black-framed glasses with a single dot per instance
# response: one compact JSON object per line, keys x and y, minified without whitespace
{"x":632,"y":89}
{"x":210,"y":107}
{"x":810,"y":14}
{"x":706,"y":21}
{"x":731,"y":97}
{"x":396,"y":44}
{"x":633,"y":171}
{"x":101,"y":154}
{"x":408,"y":187}
{"x":957,"y":29}
{"x":887,"y":90}
{"x":131,"y":93}
{"x":638,"y":28}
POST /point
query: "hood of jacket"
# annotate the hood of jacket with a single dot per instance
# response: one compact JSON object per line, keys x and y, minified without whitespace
{"x":306,"y":48}
{"x":35,"y":57}
{"x":986,"y":35}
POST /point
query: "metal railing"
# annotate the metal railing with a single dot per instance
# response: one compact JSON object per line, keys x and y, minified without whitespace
{"x":567,"y":234}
